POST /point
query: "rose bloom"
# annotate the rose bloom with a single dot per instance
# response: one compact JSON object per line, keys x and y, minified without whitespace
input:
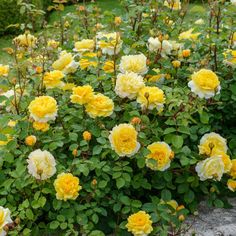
{"x":5,"y":218}
{"x":109,"y":43}
{"x":53,"y":44}
{"x":230,"y":58}
{"x":68,"y":86}
{"x":41,"y":126}
{"x":30,"y":140}
{"x":84,"y":45}
{"x":53,"y":78}
{"x":231,"y":185}
{"x":123,"y":139}
{"x":86,"y":62}
{"x":154,"y":45}
{"x":157,"y":77}
{"x":151,"y":97}
{"x":173,"y":4}
{"x":117,"y":20}
{"x":67,"y":186}
{"x":212,"y":142}
{"x":159,"y":157}
{"x":134,"y":63}
{"x":12,"y":123}
{"x":128,"y":85}
{"x":210,"y":168}
{"x":41,"y":164}
{"x":99,"y":105}
{"x":108,"y":66}
{"x":82,"y":94}
{"x":4,"y":70}
{"x":43,"y":109}
{"x":188,"y":35}
{"x":233,"y":169}
{"x":25,"y":40}
{"x":139,"y":224}
{"x":65,"y":63}
{"x":87,"y":135}
{"x":204,"y":83}
{"x":225,"y":158}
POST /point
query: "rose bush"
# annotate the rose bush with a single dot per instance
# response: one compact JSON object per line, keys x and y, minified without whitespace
{"x":118,"y":125}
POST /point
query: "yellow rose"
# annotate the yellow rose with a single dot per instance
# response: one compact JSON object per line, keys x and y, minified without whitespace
{"x":82,"y":94}
{"x":225,"y":158}
{"x":65,"y":63}
{"x":25,"y":40}
{"x":186,"y":53}
{"x":157,"y":77}
{"x":41,"y":126}
{"x":108,"y":67}
{"x":173,"y":4}
{"x":87,"y":136}
{"x":99,"y":105}
{"x":159,"y":157}
{"x":204,"y":83}
{"x":12,"y":123}
{"x":68,"y":86}
{"x":188,"y":35}
{"x":128,"y":85}
{"x":67,"y":186}
{"x":123,"y":139}
{"x":84,"y":45}
{"x":4,"y":70}
{"x":139,"y":224}
{"x":109,"y":43}
{"x":5,"y":218}
{"x":176,"y":64}
{"x":53,"y":44}
{"x":231,"y":185}
{"x":151,"y":97}
{"x":52,"y":79}
{"x":134,"y":63}
{"x":30,"y":140}
{"x":43,"y":109}
{"x":233,"y":169}
{"x":117,"y":20}
{"x":41,"y":164}
{"x":85,"y":62}
{"x":211,"y":143}
{"x":210,"y":168}
{"x":230,"y":57}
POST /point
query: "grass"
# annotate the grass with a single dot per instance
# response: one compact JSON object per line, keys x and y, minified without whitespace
{"x":196,"y":11}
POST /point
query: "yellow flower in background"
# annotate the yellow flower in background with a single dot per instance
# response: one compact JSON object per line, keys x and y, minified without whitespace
{"x":99,"y":105}
{"x":5,"y":218}
{"x":4,"y":70}
{"x":53,"y":44}
{"x":41,"y":126}
{"x":43,"y":109}
{"x":53,"y":78}
{"x":68,"y":86}
{"x":176,"y":63}
{"x":139,"y":224}
{"x":65,"y":63}
{"x":231,"y":185}
{"x":41,"y":164}
{"x":230,"y":56}
{"x":233,"y":169}
{"x":67,"y":186}
{"x":82,"y":94}
{"x":225,"y":158}
{"x":159,"y":157}
{"x":210,"y":168}
{"x":157,"y":77}
{"x":87,"y":135}
{"x":12,"y":123}
{"x":204,"y":83}
{"x":84,"y":45}
{"x":86,"y":62}
{"x":30,"y":140}
{"x":128,"y":85}
{"x":173,"y":4}
{"x":25,"y":40}
{"x":8,"y":139}
{"x":109,"y":43}
{"x":186,"y":53}
{"x":123,"y":139}
{"x":108,"y":67}
{"x":151,"y":97}
{"x":188,"y":35}
{"x":211,"y":143}
{"x":117,"y":20}
{"x":134,"y":63}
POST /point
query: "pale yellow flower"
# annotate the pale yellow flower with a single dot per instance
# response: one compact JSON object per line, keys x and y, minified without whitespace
{"x":108,"y":66}
{"x":41,"y":164}
{"x":67,"y":186}
{"x":233,"y":169}
{"x":231,"y":185}
{"x":53,"y":79}
{"x":5,"y":218}
{"x":4,"y":70}
{"x":25,"y":40}
{"x":128,"y":85}
{"x":188,"y":35}
{"x":123,"y":139}
{"x":53,"y":44}
{"x":41,"y":126}
{"x":84,"y":45}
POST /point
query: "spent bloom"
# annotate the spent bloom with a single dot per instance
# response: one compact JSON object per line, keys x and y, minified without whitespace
{"x":204,"y":83}
{"x":41,"y":164}
{"x":123,"y":139}
{"x":43,"y":109}
{"x":139,"y":224}
{"x":67,"y":186}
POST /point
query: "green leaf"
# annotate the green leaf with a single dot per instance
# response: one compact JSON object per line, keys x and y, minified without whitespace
{"x":54,"y":224}
{"x":204,"y":117}
{"x":120,"y":183}
{"x":189,"y":196}
{"x":177,"y":141}
{"x":218,"y":203}
{"x":96,"y":233}
{"x":97,"y":150}
{"x":29,"y":214}
{"x":166,"y":195}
